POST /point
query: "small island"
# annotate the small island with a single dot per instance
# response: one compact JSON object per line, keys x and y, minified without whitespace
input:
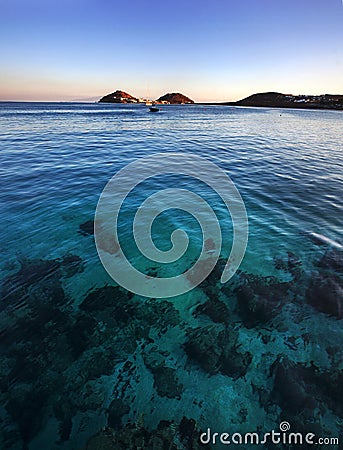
{"x":118,"y":96}
{"x":174,"y":98}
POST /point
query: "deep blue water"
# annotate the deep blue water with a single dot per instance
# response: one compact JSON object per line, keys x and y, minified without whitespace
{"x":280,"y":316}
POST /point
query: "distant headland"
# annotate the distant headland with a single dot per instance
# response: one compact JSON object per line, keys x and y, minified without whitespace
{"x":265,"y":99}
{"x":277,"y":100}
{"x":174,"y":98}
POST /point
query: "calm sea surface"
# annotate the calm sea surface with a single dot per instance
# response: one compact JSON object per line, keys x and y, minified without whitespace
{"x":79,"y":353}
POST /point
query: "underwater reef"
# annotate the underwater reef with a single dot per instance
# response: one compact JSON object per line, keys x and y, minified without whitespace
{"x":167,"y":435}
{"x":112,"y":370}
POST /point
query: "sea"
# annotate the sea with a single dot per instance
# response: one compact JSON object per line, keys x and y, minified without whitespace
{"x":85,"y":360}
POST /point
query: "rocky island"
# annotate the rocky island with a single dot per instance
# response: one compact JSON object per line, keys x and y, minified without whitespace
{"x":174,"y":98}
{"x":277,"y":100}
{"x":118,"y":97}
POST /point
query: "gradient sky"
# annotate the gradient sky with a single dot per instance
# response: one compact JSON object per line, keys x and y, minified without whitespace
{"x":210,"y":50}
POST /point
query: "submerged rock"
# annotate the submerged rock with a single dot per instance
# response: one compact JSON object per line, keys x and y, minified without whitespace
{"x":26,"y":408}
{"x":291,"y":265}
{"x":332,"y":260}
{"x":79,"y":336}
{"x":215,"y":309}
{"x":31,"y":272}
{"x":161,"y":314}
{"x":260,"y":299}
{"x":291,"y":383}
{"x":167,"y":436}
{"x":39,"y":280}
{"x":306,"y":393}
{"x":71,"y":265}
{"x":116,"y":411}
{"x":165,"y":378}
{"x":215,"y":350}
{"x":108,"y":297}
{"x":325,"y":293}
{"x":330,"y":382}
{"x":98,"y":362}
{"x":87,"y":228}
{"x":166,"y":382}
{"x":64,"y":412}
{"x":117,"y":314}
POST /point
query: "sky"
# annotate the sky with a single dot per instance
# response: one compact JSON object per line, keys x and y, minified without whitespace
{"x":209,"y":50}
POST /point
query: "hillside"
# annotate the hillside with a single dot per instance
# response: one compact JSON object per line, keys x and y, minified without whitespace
{"x":118,"y":97}
{"x":174,"y":98}
{"x":278,"y":100}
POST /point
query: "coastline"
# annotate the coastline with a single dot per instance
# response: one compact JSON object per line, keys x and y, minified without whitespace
{"x":233,"y":104}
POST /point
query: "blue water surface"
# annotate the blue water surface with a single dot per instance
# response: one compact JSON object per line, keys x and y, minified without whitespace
{"x":56,"y":158}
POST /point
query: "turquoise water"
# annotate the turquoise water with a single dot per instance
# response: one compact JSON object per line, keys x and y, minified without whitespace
{"x":70,"y":347}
